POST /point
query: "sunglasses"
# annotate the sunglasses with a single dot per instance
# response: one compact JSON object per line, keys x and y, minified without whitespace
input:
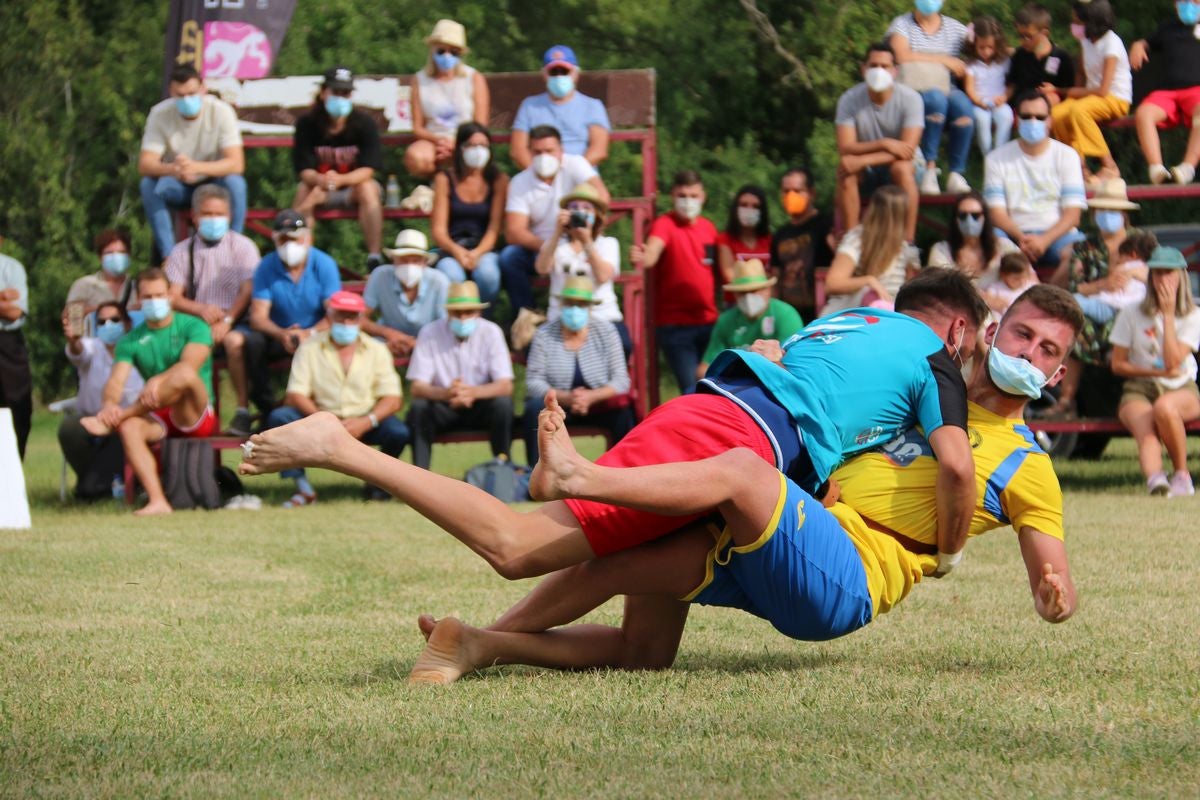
{"x":558,"y":71}
{"x":341,"y":92}
{"x":1042,"y":117}
{"x":446,"y":51}
{"x":102,"y":320}
{"x":966,"y":215}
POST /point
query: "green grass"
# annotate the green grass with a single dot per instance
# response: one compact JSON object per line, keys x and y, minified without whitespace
{"x":242,"y":654}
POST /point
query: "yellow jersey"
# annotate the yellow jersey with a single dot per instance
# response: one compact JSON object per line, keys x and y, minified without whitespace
{"x":895,"y":487}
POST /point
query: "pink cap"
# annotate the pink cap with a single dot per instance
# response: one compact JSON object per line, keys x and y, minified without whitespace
{"x":347,"y":301}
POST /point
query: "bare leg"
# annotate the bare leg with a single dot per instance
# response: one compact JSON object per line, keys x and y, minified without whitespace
{"x":1170,"y":412}
{"x":738,"y":483}
{"x":1138,"y":417}
{"x":516,"y":545}
{"x":419,"y":159}
{"x":648,"y":639}
{"x":1147,"y":117}
{"x":179,"y":388}
{"x":137,"y":434}
{"x":234,"y":343}
{"x":1192,"y":154}
{"x":848,"y":198}
{"x":370,"y":214}
{"x":904,"y":175}
{"x":672,"y":566}
{"x":308,"y":200}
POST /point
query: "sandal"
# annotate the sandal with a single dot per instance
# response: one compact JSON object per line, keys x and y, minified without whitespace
{"x":300,"y":499}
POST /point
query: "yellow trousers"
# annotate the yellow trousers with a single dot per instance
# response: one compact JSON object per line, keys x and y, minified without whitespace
{"x":1075,"y":121}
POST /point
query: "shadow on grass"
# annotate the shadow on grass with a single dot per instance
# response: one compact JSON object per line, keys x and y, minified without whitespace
{"x":394,"y":669}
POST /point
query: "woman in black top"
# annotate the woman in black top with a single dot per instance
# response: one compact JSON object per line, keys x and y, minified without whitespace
{"x":468,"y":208}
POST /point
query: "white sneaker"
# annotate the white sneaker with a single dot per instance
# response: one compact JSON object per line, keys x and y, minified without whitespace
{"x":1159,"y":174}
{"x":957,"y":184}
{"x":929,"y":182}
{"x":1183,"y":173}
{"x":1158,"y":484}
{"x":1181,"y":485}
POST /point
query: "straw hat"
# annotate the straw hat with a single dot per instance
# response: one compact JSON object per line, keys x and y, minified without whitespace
{"x":748,"y":276}
{"x":409,"y":242}
{"x":449,"y":33}
{"x":464,"y":297}
{"x":1111,"y":194}
{"x":578,"y":288}
{"x":588,"y":193}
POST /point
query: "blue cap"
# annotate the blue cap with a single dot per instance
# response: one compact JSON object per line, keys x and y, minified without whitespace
{"x":559,"y":56}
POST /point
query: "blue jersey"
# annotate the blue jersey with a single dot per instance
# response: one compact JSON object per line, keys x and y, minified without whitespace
{"x":853,"y":380}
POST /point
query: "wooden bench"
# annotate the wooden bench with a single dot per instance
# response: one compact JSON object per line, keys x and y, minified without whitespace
{"x":1107,"y":425}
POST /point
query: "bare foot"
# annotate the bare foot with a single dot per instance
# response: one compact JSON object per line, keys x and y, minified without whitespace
{"x":95,"y":427}
{"x":153,"y":508}
{"x":445,"y":658}
{"x":558,"y":461}
{"x":309,"y":442}
{"x":426,"y":623}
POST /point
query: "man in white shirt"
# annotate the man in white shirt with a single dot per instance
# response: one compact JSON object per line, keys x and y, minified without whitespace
{"x":531,"y":211}
{"x":461,"y":376}
{"x":191,"y":138}
{"x":1033,"y":186}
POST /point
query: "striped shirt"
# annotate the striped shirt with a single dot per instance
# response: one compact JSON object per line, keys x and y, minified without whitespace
{"x":220,"y":269}
{"x":1033,"y":189}
{"x":601,"y":360}
{"x":947,"y":40}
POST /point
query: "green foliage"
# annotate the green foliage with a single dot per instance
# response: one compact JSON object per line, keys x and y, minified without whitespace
{"x":80,"y":76}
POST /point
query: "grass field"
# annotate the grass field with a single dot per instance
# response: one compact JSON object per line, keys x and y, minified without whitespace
{"x":243,"y":654}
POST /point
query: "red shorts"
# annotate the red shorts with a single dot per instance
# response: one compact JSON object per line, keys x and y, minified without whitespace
{"x":688,"y":428}
{"x":206,"y":426}
{"x":1180,"y":105}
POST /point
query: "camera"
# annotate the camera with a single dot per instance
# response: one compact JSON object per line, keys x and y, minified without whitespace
{"x":578,"y":219}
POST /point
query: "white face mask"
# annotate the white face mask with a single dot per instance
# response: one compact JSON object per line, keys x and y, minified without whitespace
{"x":292,"y":253}
{"x":688,"y":207}
{"x":879,"y":79}
{"x":752,"y":304}
{"x":749,"y":216}
{"x":545,"y":166}
{"x":476,"y":156}
{"x":409,"y":275}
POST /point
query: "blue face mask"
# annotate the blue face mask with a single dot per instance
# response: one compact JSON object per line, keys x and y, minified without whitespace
{"x":338,"y":107}
{"x":343,"y":333}
{"x":188,"y":106}
{"x":114,"y":263}
{"x":1015,"y":376}
{"x":445,"y":62}
{"x":213,"y":229}
{"x":1109,"y":221}
{"x":1032,"y":131}
{"x":463,"y":328}
{"x":156,"y":309}
{"x":559,"y":86}
{"x":970,"y":226}
{"x":574,"y":318}
{"x":1189,"y":13}
{"x":929,"y":6}
{"x":110,"y":331}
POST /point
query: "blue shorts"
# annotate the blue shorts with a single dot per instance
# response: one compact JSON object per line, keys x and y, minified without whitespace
{"x":803,"y":574}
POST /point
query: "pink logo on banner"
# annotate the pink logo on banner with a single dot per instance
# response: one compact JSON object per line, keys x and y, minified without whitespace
{"x":235,"y":50}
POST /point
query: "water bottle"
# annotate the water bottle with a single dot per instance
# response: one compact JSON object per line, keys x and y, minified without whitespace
{"x":118,"y":488}
{"x":392,"y":192}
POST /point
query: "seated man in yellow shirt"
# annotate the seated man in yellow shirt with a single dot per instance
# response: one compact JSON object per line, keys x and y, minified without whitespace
{"x":814,"y":573}
{"x":351,"y":375}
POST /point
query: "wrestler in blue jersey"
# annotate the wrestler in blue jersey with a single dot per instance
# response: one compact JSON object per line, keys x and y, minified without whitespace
{"x":848,"y":382}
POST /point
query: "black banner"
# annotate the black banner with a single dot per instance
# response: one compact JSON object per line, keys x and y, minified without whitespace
{"x":226,"y":38}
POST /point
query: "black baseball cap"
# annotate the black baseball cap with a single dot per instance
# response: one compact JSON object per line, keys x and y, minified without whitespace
{"x":339,"y":79}
{"x":290,"y":221}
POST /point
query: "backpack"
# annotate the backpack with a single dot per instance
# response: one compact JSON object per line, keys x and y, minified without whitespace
{"x":189,"y":474}
{"x":501,"y":479}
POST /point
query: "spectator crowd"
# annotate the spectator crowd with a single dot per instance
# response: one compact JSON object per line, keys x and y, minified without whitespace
{"x":144,"y":344}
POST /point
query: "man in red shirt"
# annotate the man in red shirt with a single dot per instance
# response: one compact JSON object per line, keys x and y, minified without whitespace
{"x":681,"y":250}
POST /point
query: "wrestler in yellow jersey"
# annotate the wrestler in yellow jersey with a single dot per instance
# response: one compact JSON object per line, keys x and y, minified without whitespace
{"x":892,"y":488}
